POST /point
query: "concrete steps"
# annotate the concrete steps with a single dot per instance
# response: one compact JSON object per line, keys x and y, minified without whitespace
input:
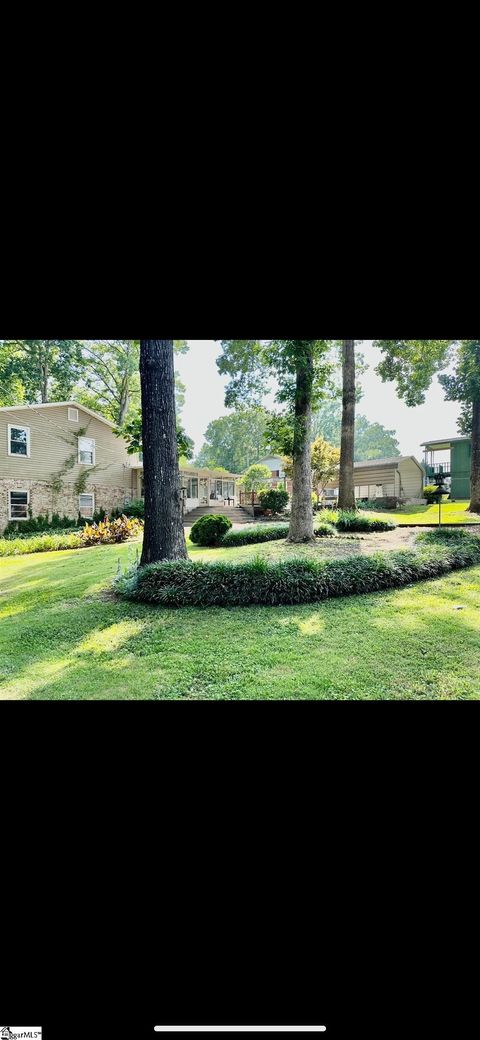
{"x":237,"y":514}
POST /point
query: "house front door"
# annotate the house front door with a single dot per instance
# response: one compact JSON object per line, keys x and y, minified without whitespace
{"x":203,"y":491}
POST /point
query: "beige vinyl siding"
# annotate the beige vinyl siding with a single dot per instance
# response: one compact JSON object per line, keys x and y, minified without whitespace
{"x":370,"y":476}
{"x":411,"y":479}
{"x":53,"y":440}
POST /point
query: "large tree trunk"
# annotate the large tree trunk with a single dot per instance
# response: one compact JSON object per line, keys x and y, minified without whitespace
{"x":346,"y":487}
{"x":301,"y":523}
{"x":164,"y":537}
{"x":474,"y":506}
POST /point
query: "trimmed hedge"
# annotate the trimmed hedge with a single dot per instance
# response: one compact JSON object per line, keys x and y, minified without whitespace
{"x":183,"y":583}
{"x":252,"y":534}
{"x":267,"y":533}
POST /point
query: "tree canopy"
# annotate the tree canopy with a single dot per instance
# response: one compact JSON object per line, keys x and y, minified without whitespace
{"x":132,"y":433}
{"x":412,"y":364}
{"x":372,"y":440}
{"x":101,"y":374}
{"x":236,"y":440}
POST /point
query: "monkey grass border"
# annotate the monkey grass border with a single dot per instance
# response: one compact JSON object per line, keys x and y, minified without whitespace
{"x":197,"y":584}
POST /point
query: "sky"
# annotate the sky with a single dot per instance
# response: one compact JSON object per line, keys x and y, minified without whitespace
{"x":205,"y":388}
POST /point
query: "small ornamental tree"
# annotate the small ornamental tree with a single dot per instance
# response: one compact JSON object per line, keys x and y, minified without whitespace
{"x":255,"y":479}
{"x":325,"y":463}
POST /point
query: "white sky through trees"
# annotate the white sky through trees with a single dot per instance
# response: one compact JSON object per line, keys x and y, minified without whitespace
{"x":205,"y":388}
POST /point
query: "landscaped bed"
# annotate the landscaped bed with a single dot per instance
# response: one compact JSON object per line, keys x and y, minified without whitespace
{"x":64,"y":636}
{"x":299,"y":579}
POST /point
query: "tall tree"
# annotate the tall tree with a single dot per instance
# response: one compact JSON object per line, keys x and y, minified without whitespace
{"x":301,"y":369}
{"x":164,"y":536}
{"x":46,"y":369}
{"x":346,"y":486}
{"x":412,"y":364}
{"x":110,"y":381}
{"x":235,"y":441}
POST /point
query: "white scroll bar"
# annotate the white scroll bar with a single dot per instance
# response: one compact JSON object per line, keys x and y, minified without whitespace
{"x":240,"y":1029}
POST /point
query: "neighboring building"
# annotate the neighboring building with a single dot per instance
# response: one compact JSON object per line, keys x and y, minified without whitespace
{"x":452,"y":459}
{"x":60,"y":458}
{"x":400,"y":477}
{"x":64,"y":458}
{"x":274,"y":464}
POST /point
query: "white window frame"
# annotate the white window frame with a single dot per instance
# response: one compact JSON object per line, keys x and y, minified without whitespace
{"x":17,"y":426}
{"x":20,"y":491}
{"x":89,"y":494}
{"x":73,"y":414}
{"x":90,"y":441}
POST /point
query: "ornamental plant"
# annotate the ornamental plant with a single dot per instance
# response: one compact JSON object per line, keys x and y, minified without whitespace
{"x":209,"y":529}
{"x":108,"y":532}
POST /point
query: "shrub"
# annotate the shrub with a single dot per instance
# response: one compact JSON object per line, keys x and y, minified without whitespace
{"x":34,"y":525}
{"x":328,"y":516}
{"x":183,"y":583}
{"x":274,"y":499}
{"x":322,"y":529}
{"x":353,"y":521}
{"x":108,"y":531}
{"x":209,"y":529}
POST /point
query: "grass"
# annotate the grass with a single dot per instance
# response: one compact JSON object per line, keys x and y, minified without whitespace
{"x":452,"y":513}
{"x":63,"y":636}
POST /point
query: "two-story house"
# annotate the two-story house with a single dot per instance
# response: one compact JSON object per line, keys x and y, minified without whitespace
{"x":60,"y":458}
{"x":64,"y":458}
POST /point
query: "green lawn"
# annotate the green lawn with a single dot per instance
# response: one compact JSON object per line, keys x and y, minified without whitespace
{"x":63,"y":635}
{"x":452,"y":513}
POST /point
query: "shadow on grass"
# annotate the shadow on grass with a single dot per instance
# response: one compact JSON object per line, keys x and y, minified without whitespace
{"x":118,"y":651}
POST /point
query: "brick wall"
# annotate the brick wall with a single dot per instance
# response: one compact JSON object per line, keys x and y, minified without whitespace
{"x":43,"y":500}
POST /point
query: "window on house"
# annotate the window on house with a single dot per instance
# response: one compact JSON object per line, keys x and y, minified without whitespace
{"x":73,"y":414}
{"x":86,"y":506}
{"x":275,"y":472}
{"x":192,"y":487}
{"x":18,"y":505}
{"x":86,"y":451}
{"x":19,"y":440}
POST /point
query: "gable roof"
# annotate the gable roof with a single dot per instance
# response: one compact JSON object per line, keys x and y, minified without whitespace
{"x":389,"y":461}
{"x":57,"y":404}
